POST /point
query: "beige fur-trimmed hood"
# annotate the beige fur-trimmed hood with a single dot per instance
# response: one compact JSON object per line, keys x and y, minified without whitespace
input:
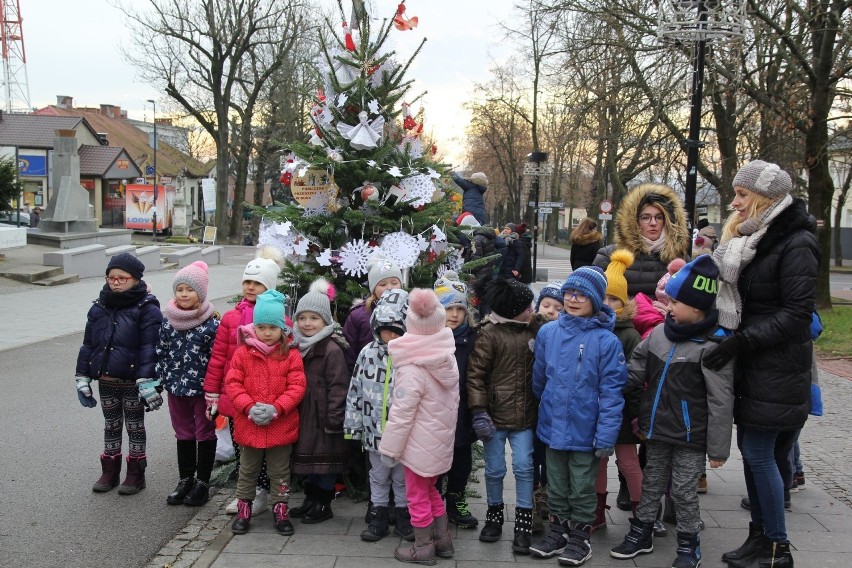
{"x":627,"y":234}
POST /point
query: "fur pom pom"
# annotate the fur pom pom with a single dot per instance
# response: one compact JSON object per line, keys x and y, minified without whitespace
{"x":271,"y":253}
{"x":676,"y":265}
{"x":423,"y":302}
{"x":323,"y":286}
{"x":623,"y":256}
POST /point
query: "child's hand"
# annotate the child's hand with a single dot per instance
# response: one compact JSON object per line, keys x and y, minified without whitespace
{"x":389,"y":461}
{"x":262,"y":414}
{"x":212,"y":400}
{"x":717,"y":463}
{"x":483,"y":426}
{"x":637,"y":431}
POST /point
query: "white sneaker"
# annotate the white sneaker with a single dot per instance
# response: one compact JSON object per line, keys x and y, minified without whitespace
{"x":231,"y":509}
{"x":261,"y":502}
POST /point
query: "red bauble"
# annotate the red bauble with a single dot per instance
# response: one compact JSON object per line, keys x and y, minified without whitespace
{"x":409,"y":123}
{"x":286,"y":178}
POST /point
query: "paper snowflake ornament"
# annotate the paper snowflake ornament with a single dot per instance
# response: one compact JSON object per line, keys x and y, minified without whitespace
{"x":455,"y":259}
{"x":324,"y":259}
{"x":316,"y":205}
{"x":401,"y":248}
{"x":321,"y":115}
{"x":412,"y":146}
{"x":366,"y":134}
{"x":341,"y":99}
{"x":422,"y":243}
{"x":419,"y":189}
{"x":433,"y":174}
{"x":395,"y":171}
{"x":354,"y":256}
{"x":373,"y":105}
{"x":300,"y":246}
{"x":386,"y":68}
{"x":344,"y":72}
{"x":439,"y":240}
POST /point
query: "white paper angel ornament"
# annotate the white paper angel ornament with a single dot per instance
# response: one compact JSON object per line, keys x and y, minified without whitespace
{"x":364,"y":135}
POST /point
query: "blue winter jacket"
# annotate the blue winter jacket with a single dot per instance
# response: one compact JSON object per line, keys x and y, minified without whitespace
{"x":121,"y":342}
{"x":473,"y":199}
{"x":578,"y":375}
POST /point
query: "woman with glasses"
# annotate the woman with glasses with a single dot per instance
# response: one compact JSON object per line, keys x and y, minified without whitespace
{"x":651,"y":224}
{"x":120,"y":350}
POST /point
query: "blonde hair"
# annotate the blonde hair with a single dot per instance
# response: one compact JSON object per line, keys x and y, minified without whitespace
{"x":587,"y":225}
{"x":758,"y":204}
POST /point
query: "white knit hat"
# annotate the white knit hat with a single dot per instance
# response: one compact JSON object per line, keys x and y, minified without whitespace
{"x":317,"y":300}
{"x":426,"y":315}
{"x":380,"y":267}
{"x":263,"y":270}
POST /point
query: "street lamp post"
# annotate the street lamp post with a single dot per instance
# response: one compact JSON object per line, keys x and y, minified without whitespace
{"x":698,"y":21}
{"x":535,"y":168}
{"x":154,"y":208}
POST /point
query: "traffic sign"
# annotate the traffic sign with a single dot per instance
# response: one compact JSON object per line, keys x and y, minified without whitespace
{"x":543,"y":210}
{"x":552,"y":204}
{"x":605,"y":216}
{"x":606,"y":206}
{"x":165,"y":179}
{"x":149,"y":170}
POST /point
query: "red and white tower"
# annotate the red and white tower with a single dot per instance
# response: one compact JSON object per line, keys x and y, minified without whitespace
{"x":16,"y":86}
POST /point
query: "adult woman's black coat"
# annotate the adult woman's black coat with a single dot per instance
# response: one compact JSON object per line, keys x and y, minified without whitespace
{"x":778,"y":291}
{"x":584,"y":248}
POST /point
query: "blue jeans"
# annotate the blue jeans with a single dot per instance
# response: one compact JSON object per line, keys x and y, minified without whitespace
{"x":763,"y":477}
{"x":521,"y":442}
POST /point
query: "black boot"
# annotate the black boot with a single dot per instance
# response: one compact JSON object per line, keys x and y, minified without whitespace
{"x":242,"y":522}
{"x":749,"y":548}
{"x":458,"y":513}
{"x":688,"y":550}
{"x":321,"y":509}
{"x":186,"y":470}
{"x":403,"y":526}
{"x":523,"y":530}
{"x":378,"y":527}
{"x":554,"y":540}
{"x":622,"y":501}
{"x":281,"y":519}
{"x":310,"y":491}
{"x":640,"y":540}
{"x":493,"y":524}
{"x":199,"y":495}
{"x":391,"y":508}
{"x":579,"y":547}
{"x":771,"y":555}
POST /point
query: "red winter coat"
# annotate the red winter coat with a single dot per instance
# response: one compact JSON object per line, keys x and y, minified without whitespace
{"x":224,"y":347}
{"x":255,"y":377}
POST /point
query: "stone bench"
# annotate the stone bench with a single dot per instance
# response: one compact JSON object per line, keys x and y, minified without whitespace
{"x":150,"y":257}
{"x":212,"y":255}
{"x":86,"y":261}
{"x":111,"y":252}
{"x":185,"y":256}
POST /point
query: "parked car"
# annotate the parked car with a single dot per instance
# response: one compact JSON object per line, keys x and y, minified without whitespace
{"x":11,"y":218}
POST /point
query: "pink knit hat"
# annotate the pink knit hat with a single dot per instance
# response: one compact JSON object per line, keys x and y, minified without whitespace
{"x":426,"y":315}
{"x":673,"y":267}
{"x":194,"y":276}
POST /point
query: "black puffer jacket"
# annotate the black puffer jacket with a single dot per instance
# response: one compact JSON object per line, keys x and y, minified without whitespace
{"x":121,"y":341}
{"x":778,"y":290}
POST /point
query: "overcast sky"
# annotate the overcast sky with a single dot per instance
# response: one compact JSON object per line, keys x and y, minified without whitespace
{"x":72,"y":49}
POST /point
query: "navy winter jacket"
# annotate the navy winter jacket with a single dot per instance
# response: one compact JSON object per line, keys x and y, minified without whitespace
{"x":120,"y":340}
{"x":465,"y":340}
{"x":473,"y":199}
{"x":183,"y":355}
{"x":578,"y":376}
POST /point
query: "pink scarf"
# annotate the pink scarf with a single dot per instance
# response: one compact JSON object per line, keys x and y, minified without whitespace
{"x":247,"y":335}
{"x":182,"y":320}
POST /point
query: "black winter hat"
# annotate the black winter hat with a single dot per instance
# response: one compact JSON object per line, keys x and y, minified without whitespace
{"x":128,"y":263}
{"x":508,"y":298}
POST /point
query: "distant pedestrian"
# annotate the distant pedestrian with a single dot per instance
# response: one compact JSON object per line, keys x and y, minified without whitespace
{"x":35,"y":217}
{"x":265,"y":384}
{"x":473,"y":198}
{"x":586,"y":240}
{"x":183,"y":351}
{"x":119,"y":350}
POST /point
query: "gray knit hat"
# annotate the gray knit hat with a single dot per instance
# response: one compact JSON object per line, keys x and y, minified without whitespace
{"x":380,"y":267}
{"x":317,"y":300}
{"x":765,"y":179}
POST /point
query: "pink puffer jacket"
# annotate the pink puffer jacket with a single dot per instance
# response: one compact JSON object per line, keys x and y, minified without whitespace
{"x":420,"y":431}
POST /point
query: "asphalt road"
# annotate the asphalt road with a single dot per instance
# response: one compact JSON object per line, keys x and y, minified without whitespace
{"x":49,"y":460}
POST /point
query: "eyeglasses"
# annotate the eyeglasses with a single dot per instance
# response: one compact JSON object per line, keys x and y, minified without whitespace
{"x":575,"y":295}
{"x":117,"y":279}
{"x":646,"y":219}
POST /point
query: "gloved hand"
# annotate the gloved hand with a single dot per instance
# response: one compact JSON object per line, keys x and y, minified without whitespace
{"x":724,"y":352}
{"x":389,"y":461}
{"x":149,"y":393}
{"x":84,"y":392}
{"x":604,"y":452}
{"x":483,"y":426}
{"x":262,"y":413}
{"x":212,"y":400}
{"x":637,"y":431}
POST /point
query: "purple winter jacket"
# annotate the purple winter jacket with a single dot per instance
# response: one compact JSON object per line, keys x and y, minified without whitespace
{"x":357,"y":332}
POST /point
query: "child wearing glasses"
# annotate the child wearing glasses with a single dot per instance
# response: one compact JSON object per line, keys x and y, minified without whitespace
{"x":578,"y":376}
{"x":119,"y":349}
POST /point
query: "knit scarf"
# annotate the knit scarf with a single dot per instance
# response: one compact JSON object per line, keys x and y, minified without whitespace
{"x":655,"y":246}
{"x":182,"y":320}
{"x":306,"y":343}
{"x":733,"y":255}
{"x":124,"y":299}
{"x":247,"y":335}
{"x":680,"y":332}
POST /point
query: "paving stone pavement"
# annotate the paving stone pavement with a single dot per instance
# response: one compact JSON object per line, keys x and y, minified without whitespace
{"x":819,"y":524}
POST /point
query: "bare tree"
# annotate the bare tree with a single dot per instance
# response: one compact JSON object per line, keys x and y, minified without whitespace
{"x":214,"y":58}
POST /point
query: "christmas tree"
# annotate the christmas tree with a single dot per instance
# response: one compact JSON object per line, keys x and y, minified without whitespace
{"x":364,"y":184}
